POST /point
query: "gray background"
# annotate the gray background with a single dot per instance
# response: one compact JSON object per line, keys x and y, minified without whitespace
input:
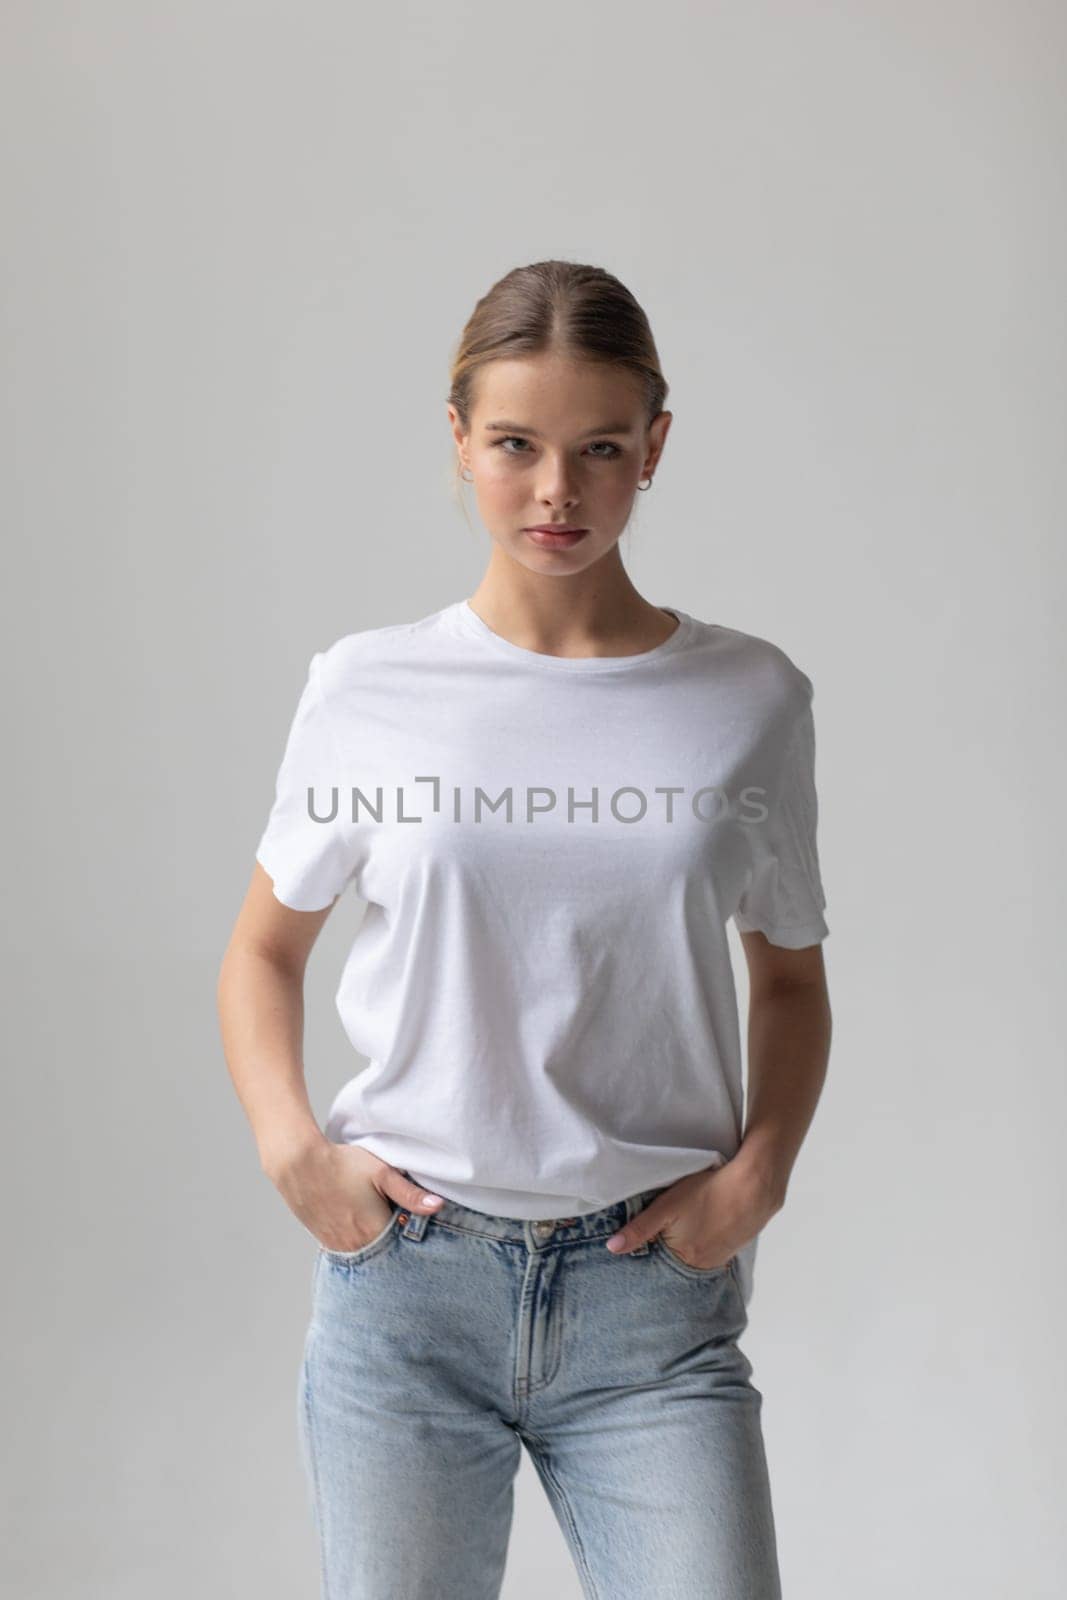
{"x":240,"y":243}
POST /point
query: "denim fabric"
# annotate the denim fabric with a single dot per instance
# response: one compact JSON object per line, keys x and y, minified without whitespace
{"x":440,"y":1349}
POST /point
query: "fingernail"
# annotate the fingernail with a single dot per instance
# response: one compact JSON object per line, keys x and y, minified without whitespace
{"x":616,"y":1242}
{"x":433,"y":1200}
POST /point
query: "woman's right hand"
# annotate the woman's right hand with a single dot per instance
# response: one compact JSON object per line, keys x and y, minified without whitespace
{"x":341,"y":1193}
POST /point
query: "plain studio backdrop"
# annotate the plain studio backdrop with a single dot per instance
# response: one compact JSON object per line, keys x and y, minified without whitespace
{"x":240,"y":243}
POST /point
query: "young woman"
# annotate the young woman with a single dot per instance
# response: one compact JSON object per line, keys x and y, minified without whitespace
{"x":535,"y":1209}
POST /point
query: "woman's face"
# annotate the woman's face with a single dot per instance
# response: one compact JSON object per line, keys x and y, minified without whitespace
{"x":554,"y":440}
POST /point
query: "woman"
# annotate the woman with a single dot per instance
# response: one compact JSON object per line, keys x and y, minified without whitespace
{"x":535,"y":1211}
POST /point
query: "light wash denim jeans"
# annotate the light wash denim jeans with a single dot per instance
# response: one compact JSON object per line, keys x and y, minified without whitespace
{"x":449,"y":1342}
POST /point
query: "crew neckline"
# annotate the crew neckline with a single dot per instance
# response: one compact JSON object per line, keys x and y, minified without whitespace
{"x":470,"y":623}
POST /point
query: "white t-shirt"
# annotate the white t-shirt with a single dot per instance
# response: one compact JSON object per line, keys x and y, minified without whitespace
{"x":550,"y":850}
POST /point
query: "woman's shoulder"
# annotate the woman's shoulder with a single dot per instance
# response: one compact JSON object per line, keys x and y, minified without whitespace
{"x":380,"y":646}
{"x":759,"y":663}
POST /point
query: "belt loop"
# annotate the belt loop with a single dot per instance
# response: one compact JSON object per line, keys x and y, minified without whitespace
{"x":412,"y":1223}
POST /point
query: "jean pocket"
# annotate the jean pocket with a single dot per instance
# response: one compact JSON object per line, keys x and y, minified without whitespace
{"x":371,"y":1248}
{"x":674,"y":1260}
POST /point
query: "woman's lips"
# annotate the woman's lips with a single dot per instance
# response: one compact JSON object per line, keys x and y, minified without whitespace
{"x":555,"y":540}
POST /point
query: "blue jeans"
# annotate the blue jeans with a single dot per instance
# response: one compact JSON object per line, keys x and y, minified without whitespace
{"x":449,"y":1342}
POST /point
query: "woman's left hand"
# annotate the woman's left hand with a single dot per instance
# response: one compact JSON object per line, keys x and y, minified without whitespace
{"x":705,"y":1218}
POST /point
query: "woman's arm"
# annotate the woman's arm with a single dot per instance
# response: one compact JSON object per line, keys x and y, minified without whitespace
{"x":340,"y":1193}
{"x":789,"y":1032}
{"x":260,"y":1000}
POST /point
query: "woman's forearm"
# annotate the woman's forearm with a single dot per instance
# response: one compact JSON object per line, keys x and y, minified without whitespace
{"x":789,"y":1030}
{"x":261,"y":1015}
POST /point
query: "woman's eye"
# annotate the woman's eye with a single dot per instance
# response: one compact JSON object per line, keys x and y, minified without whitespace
{"x":513,"y":438}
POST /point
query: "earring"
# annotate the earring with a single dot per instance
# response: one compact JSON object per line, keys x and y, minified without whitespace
{"x":647,"y":485}
{"x":463,"y":475}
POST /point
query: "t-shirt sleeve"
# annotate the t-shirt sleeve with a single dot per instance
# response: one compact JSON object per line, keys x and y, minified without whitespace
{"x":784,"y":896}
{"x":310,"y":861}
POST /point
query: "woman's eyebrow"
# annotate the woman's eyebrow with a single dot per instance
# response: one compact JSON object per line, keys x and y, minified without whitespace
{"x":518,"y":427}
